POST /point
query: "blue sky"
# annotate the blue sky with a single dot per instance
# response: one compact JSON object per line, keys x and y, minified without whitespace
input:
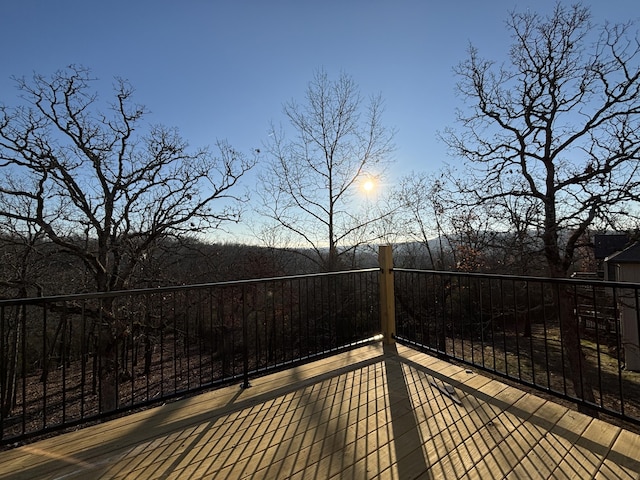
{"x":223,"y":69}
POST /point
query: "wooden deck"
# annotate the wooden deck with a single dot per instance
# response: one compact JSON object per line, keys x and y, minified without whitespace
{"x":370,"y":413}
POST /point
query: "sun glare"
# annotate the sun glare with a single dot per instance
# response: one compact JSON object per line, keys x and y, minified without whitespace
{"x":368,"y":185}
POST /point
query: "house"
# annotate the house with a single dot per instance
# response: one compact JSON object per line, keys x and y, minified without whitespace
{"x":624,"y":266}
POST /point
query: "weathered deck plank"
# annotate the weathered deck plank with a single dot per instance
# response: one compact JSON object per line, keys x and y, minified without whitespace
{"x":370,"y":413}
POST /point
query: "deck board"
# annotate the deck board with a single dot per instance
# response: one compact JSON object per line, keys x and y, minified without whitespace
{"x":373,"y":412}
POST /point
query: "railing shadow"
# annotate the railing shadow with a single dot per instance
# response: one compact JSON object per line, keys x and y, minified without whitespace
{"x":411,"y":462}
{"x":383,"y":413}
{"x":170,"y":439}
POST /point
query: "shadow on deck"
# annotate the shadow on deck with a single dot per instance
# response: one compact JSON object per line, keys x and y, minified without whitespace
{"x":373,"y":412}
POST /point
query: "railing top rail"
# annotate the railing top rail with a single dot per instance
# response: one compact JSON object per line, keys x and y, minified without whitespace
{"x":528,"y":278}
{"x":175,"y":288}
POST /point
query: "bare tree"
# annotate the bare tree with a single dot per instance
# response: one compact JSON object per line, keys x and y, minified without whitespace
{"x":451,"y":236}
{"x":423,"y":211}
{"x":558,"y":129}
{"x":20,"y":267}
{"x":99,"y":190}
{"x":104,"y":193}
{"x":308,"y":188}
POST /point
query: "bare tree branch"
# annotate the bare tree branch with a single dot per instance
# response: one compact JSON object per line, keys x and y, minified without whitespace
{"x":558,"y":125}
{"x":89,"y":174}
{"x":308,"y":188}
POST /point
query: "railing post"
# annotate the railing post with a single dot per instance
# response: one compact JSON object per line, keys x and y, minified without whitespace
{"x":387,"y":298}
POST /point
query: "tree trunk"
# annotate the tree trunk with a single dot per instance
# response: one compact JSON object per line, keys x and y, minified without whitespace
{"x":579,"y":368}
{"x":9,"y":376}
{"x":107,"y":346}
{"x":107,"y":351}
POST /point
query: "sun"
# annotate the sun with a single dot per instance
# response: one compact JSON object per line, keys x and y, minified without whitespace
{"x":368,"y":185}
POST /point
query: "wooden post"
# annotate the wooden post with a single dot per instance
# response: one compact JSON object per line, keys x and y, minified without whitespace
{"x":387,"y":299}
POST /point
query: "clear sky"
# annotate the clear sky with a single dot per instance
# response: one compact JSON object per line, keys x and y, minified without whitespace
{"x":222,"y":69}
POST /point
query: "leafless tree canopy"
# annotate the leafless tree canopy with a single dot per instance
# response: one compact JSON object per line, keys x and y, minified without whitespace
{"x":552,"y":136}
{"x":309,"y":186}
{"x":82,"y":172}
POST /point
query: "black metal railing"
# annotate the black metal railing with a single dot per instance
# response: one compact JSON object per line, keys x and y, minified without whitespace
{"x":69,"y":360}
{"x":576,"y":339}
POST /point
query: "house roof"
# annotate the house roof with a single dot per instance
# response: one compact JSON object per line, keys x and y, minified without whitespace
{"x":608,"y":245}
{"x":630,"y":254}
